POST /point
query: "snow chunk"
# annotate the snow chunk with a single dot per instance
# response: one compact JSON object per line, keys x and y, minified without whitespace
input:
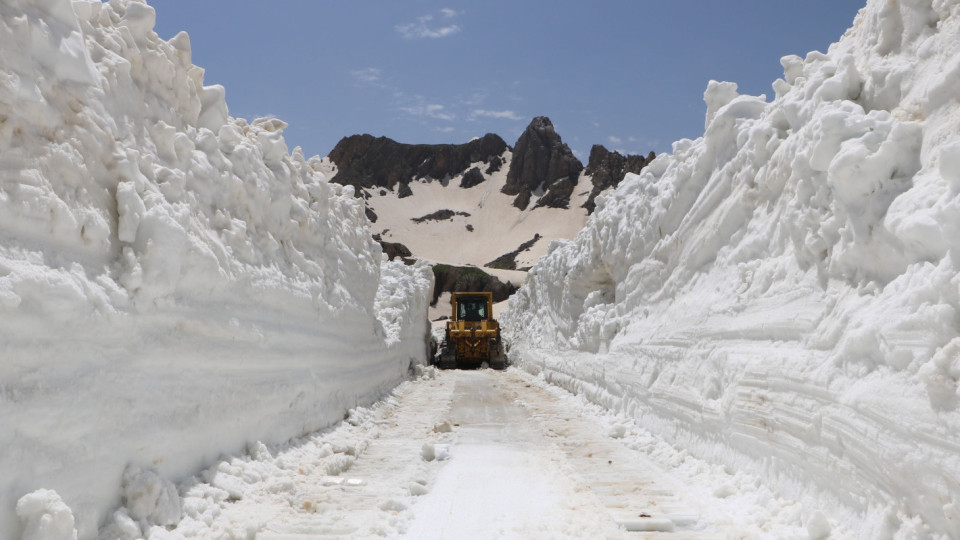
{"x":428,"y":452}
{"x":213,"y":112}
{"x":438,"y":452}
{"x":716,"y":96}
{"x":139,"y":18}
{"x":792,"y":68}
{"x":44,"y":516}
{"x":130,"y":208}
{"x":818,"y":527}
{"x":149,"y":497}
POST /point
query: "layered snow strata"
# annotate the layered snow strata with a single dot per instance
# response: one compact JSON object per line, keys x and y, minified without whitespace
{"x":173,"y":282}
{"x":783,"y":293}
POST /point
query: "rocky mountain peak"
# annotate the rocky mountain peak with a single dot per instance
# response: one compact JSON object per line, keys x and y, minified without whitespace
{"x":365,"y":161}
{"x":541,"y":161}
{"x":606,"y":169}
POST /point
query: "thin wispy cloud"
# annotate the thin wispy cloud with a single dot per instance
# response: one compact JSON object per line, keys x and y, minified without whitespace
{"x":369,"y":76}
{"x":500,"y":115}
{"x":615,"y":140}
{"x":430,"y":110}
{"x":429,"y":27}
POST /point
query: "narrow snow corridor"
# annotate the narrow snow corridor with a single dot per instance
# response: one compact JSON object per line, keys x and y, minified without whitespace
{"x":478,"y":454}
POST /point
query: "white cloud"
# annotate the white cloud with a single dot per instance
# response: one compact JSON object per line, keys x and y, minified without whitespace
{"x":426,"y":28}
{"x":501,"y":115}
{"x":476,"y":99}
{"x":367,"y":76}
{"x":615,"y":140}
{"x":430,"y":110}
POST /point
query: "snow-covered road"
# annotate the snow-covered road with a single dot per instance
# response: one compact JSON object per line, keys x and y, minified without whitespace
{"x":523,"y":465}
{"x":478,"y":454}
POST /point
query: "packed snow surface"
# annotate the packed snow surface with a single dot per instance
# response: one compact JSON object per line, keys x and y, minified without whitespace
{"x":174,"y":283}
{"x":782,"y":294}
{"x":476,"y":454}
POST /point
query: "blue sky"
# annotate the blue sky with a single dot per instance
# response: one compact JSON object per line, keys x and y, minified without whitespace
{"x":626,"y":74}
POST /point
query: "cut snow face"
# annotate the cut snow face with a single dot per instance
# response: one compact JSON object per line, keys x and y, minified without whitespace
{"x":174,"y":282}
{"x":782,"y":293}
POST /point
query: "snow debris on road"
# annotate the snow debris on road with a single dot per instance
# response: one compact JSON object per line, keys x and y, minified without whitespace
{"x":354,"y":480}
{"x":524,"y":459}
{"x":174,"y":283}
{"x":781,"y":294}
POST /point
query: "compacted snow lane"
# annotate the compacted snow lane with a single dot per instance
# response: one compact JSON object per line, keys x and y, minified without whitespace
{"x":475,"y":454}
{"x":525,"y":465}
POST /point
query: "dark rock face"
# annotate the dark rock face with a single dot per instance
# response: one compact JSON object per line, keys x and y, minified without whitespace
{"x":558,"y":194}
{"x":508,"y":261}
{"x":473,"y":177}
{"x":494,"y":165}
{"x":371,"y":215}
{"x":468,"y":279}
{"x":540,"y":159}
{"x":364,"y":161}
{"x":439,"y":215}
{"x":608,"y":168}
{"x":394,"y":249}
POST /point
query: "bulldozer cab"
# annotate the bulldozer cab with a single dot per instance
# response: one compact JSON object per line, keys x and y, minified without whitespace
{"x":472,"y":307}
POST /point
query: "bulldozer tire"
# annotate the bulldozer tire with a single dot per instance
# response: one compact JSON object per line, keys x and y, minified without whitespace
{"x":448,"y":356}
{"x":498,"y":360}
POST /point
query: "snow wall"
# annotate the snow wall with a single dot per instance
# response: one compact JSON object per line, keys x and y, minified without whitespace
{"x":782,"y":294}
{"x":174,"y":284}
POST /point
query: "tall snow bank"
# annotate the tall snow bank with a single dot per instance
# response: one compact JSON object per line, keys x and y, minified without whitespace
{"x":782,"y":294}
{"x":173,"y":282}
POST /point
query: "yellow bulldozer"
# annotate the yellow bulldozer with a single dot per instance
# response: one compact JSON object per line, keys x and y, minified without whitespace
{"x":472,"y":335}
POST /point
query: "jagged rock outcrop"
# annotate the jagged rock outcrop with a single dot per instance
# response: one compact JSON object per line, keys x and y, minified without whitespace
{"x":558,"y":194}
{"x":474,"y":177}
{"x":494,"y":165}
{"x":607,"y":168}
{"x":449,"y":278}
{"x":540,"y":160}
{"x":364,"y":161}
{"x":439,"y":215}
{"x":394,"y":249}
{"x":508,"y":261}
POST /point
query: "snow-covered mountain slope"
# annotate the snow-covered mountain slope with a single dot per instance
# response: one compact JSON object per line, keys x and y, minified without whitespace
{"x":173,"y":282}
{"x":782,"y":294}
{"x":480,"y":203}
{"x":485,"y":224}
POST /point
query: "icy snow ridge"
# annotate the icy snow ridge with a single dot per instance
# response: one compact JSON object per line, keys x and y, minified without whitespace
{"x":783,"y":293}
{"x":174,"y":283}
